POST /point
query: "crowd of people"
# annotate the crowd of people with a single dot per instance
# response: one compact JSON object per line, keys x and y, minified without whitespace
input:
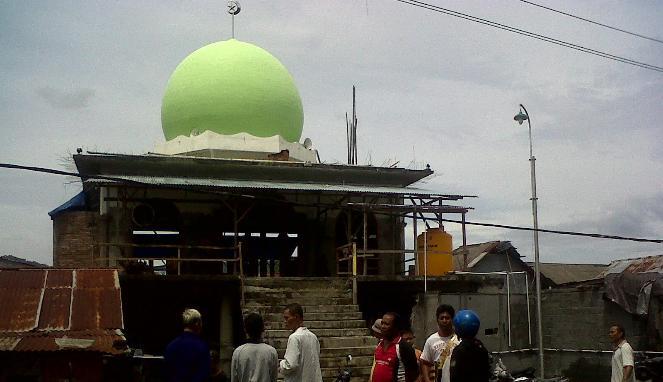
{"x":451,"y":354}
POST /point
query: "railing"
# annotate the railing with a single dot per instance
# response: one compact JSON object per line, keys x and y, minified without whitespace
{"x":236,"y":260}
{"x":348,"y":258}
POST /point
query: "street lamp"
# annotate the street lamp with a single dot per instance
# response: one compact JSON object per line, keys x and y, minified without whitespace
{"x":520,"y":118}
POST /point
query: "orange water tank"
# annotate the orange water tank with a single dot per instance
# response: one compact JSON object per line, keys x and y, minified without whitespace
{"x":438,"y":252}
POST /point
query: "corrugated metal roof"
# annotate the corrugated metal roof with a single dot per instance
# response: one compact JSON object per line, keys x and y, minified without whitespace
{"x":106,"y":341}
{"x":9,"y":261}
{"x":20,"y":308}
{"x":70,"y":308}
{"x":95,"y":164}
{"x":55,"y":309}
{"x":8,"y":343}
{"x":22,"y":278}
{"x":632,"y":282}
{"x":266,"y":185}
{"x":571,"y":273}
{"x":59,"y":278}
{"x":96,"y":309}
{"x":649,"y":264}
{"x":474,"y":252}
{"x":96,"y":278}
{"x":77,"y":203}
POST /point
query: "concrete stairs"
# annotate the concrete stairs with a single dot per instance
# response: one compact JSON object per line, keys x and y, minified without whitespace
{"x":328,"y":312}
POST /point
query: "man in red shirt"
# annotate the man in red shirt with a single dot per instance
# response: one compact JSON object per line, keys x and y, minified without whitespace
{"x":394,"y":359}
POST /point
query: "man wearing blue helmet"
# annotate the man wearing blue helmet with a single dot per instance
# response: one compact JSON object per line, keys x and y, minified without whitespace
{"x":470,"y":361}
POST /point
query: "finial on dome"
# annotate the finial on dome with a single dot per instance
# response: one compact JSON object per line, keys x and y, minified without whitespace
{"x":233,"y":8}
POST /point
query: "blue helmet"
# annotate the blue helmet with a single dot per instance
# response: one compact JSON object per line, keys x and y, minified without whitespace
{"x":466,"y":323}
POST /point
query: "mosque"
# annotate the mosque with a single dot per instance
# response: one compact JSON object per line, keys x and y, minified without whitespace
{"x":234,"y":203}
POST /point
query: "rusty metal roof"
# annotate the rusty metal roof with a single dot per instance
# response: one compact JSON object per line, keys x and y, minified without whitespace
{"x":96,"y":309}
{"x":649,"y":264}
{"x":43,"y":308}
{"x":20,"y":308}
{"x":57,"y":302}
{"x":59,"y":278}
{"x":104,"y":341}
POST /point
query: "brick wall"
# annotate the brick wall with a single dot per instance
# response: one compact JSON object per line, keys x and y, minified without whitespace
{"x":74,"y":233}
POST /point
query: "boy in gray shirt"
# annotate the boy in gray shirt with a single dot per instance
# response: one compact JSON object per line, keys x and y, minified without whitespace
{"x":255,"y":361}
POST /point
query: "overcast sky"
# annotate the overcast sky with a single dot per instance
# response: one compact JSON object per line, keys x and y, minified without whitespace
{"x":431,"y":89}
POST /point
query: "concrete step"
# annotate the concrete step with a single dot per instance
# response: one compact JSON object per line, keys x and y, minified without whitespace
{"x":360,"y":378}
{"x":251,"y":306}
{"x":336,"y":362}
{"x":281,"y":302}
{"x":315,"y":316}
{"x":356,"y":351}
{"x":298,"y":282}
{"x":252,"y":292}
{"x":330,"y":342}
{"x":328,"y":312}
{"x":315,"y":325}
{"x":340,"y":353}
{"x":321,"y":333}
{"x":364,"y":372}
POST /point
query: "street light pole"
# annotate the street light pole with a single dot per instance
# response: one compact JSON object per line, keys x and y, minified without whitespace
{"x":520,"y":118}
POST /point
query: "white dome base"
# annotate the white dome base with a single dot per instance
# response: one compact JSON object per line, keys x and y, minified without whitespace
{"x":237,"y":146}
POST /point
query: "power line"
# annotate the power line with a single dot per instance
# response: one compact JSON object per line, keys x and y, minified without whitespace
{"x":551,"y":40}
{"x":593,"y":22}
{"x":571,"y":233}
{"x":493,"y":225}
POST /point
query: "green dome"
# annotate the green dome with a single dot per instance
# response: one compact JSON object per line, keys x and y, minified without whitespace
{"x":232,"y":87}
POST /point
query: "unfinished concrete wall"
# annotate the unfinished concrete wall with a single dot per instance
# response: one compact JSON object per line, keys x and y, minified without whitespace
{"x":503,"y":313}
{"x":575,"y":365}
{"x":74,"y":233}
{"x":576,"y":321}
{"x":579,"y":318}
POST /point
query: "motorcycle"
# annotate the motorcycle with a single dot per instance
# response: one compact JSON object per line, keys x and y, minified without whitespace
{"x":345,"y":374}
{"x":649,"y":369}
{"x":501,"y":374}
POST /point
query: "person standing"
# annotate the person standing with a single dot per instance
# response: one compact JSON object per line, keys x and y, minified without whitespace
{"x":301,"y":362}
{"x":408,"y":336}
{"x":622,"y":357}
{"x":438,"y":347}
{"x":187,"y":357}
{"x":255,"y":361}
{"x":470,"y":361}
{"x":394,"y":359}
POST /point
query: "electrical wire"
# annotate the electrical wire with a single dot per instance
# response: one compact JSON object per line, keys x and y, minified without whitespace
{"x":493,"y":225}
{"x":593,"y":22}
{"x":551,"y":40}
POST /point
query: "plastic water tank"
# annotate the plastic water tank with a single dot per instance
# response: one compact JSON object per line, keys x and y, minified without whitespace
{"x":434,"y":258}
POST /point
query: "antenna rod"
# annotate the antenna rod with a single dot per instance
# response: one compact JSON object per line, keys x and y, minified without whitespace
{"x":354,"y":125}
{"x":347,"y":136}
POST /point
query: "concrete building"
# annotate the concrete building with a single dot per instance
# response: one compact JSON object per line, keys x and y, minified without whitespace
{"x":235,"y":212}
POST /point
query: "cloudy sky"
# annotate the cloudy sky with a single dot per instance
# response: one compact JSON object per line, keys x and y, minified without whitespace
{"x":431,"y":89}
